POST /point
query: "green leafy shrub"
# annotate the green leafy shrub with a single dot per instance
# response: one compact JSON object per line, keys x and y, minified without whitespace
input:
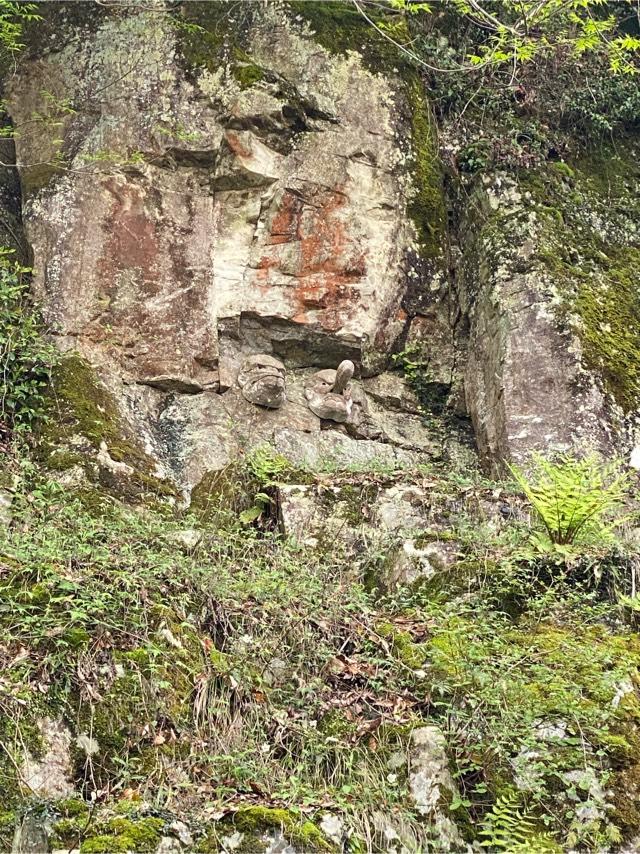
{"x":26,"y":358}
{"x":538,"y":81}
{"x":574,"y":498}
{"x":12,"y":17}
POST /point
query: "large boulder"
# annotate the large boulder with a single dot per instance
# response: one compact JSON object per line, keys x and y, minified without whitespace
{"x":547,"y":285}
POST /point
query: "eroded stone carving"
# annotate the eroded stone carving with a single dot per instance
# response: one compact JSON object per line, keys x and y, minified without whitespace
{"x":328,"y":392}
{"x":261,"y":379}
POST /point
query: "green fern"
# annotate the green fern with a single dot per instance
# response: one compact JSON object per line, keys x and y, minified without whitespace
{"x":574,"y":497}
{"x":507,"y":828}
{"x":266,"y":464}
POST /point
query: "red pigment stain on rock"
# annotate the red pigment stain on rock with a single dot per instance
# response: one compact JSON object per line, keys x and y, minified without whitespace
{"x":133,"y":243}
{"x":236,"y":145}
{"x":330,"y":265}
{"x":285,"y":224}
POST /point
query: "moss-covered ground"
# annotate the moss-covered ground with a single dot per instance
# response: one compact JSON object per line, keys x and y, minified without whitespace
{"x":262,"y":683}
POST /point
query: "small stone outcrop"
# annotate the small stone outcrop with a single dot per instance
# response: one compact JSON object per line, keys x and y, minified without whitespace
{"x":432,"y":785}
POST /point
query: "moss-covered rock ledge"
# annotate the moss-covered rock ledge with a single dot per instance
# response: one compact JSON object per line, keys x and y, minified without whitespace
{"x":88,"y":444}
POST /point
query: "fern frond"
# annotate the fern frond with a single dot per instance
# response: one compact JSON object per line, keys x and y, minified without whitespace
{"x":573,"y":496}
{"x":507,"y":828}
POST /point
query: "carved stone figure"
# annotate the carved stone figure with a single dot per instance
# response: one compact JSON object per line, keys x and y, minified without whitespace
{"x":328,"y":392}
{"x":261,"y":379}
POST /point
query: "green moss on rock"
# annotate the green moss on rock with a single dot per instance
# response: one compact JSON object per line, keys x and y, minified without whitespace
{"x":211,"y":35}
{"x":609,"y":324}
{"x":38,"y":176}
{"x":202,"y":29}
{"x":7,"y":827}
{"x":154,"y":683}
{"x":625,"y":787}
{"x":125,"y":834}
{"x":73,"y":808}
{"x":339,"y":28}
{"x":67,"y":832}
{"x":82,"y":416}
{"x":254,"y":821}
{"x":591,"y":250}
{"x":427,"y":208}
{"x":402,"y":645}
{"x":19,"y":731}
{"x":245,"y":70}
{"x":227,"y":491}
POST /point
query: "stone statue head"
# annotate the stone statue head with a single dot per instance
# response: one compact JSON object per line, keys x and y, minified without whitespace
{"x":261,"y":379}
{"x":328,"y":392}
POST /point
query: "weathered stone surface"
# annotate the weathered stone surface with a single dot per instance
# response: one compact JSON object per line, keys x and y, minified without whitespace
{"x":431,"y":784}
{"x":32,"y":834}
{"x":207,"y":431}
{"x":413,"y":563}
{"x":262,"y":380}
{"x":402,"y":507}
{"x":11,"y":234}
{"x":316,"y":519}
{"x":50,"y":776}
{"x":6,"y":500}
{"x":411,"y":520}
{"x":534,"y":378}
{"x":333,"y":450}
{"x":391,"y":391}
{"x":404,"y":431}
{"x":180,"y":385}
{"x":328,"y":392}
{"x":187,"y":540}
{"x":183,"y":222}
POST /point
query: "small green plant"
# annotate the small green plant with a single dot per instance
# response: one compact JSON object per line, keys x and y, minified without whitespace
{"x":508,"y":828}
{"x":12,"y":17}
{"x":266,"y":465}
{"x":26,"y":358}
{"x":415,"y":364}
{"x":412,"y":362}
{"x":574,"y":498}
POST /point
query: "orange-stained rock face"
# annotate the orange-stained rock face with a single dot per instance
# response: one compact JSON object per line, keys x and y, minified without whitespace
{"x":330,"y":268}
{"x":195,"y":224}
{"x":132,"y":240}
{"x":128,"y":275}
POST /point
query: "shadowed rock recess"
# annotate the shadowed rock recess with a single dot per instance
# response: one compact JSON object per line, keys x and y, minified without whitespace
{"x":262,"y":594}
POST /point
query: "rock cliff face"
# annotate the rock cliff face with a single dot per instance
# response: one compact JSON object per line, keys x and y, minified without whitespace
{"x":551,"y":363}
{"x":191,"y":199}
{"x":187,"y":217}
{"x":221,"y":202}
